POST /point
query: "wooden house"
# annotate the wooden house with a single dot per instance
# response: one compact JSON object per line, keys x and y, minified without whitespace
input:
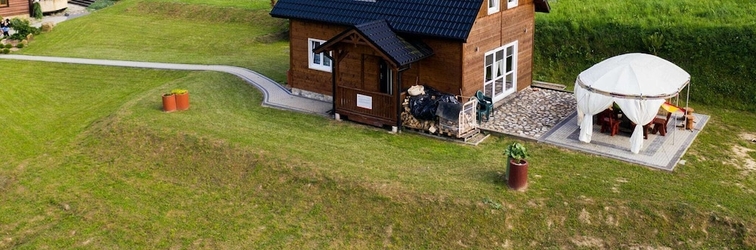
{"x":361,"y":54}
{"x":14,"y":8}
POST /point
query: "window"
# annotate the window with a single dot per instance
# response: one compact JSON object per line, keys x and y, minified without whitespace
{"x":493,"y":6}
{"x":500,"y":72}
{"x":511,"y":4}
{"x":3,"y":3}
{"x":318,"y":61}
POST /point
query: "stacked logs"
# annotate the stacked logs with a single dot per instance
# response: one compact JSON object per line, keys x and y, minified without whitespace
{"x":411,"y":122}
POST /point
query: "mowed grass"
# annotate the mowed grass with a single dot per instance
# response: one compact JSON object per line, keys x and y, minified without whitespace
{"x":170,"y":31}
{"x":106,"y":169}
{"x":228,"y":173}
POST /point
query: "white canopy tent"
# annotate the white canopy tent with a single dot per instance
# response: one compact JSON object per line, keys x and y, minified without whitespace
{"x":638,"y":83}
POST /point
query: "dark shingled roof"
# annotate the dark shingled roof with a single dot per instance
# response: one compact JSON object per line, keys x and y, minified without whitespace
{"x":401,"y":51}
{"x":452,"y":19}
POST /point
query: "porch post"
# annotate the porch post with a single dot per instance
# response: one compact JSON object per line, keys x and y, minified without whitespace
{"x":398,"y":94}
{"x":334,"y":73}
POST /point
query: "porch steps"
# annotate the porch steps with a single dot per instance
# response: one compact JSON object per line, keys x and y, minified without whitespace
{"x":82,"y":3}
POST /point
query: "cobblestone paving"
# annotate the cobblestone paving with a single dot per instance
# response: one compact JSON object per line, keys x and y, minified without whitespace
{"x":531,"y":112}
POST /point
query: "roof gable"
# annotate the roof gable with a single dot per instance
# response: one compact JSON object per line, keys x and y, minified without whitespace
{"x":379,"y":35}
{"x":452,"y":19}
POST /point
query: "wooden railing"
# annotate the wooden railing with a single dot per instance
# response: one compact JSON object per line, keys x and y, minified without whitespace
{"x":373,"y":104}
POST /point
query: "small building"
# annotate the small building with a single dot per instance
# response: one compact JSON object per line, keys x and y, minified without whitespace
{"x":15,"y":8}
{"x":361,"y":54}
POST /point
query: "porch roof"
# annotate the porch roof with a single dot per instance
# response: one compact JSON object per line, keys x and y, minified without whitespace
{"x":379,"y":35}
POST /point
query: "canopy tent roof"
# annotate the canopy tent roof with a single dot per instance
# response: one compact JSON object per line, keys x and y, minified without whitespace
{"x":637,"y":82}
{"x":635,"y":75}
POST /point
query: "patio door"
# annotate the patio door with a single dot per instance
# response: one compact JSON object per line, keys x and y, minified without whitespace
{"x":500,"y":74}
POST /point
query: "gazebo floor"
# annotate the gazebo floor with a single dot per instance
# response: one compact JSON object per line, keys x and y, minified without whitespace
{"x":549,"y":116}
{"x":660,"y":152}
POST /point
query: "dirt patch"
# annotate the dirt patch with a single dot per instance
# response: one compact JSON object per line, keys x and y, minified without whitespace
{"x":649,"y":248}
{"x":742,"y":160}
{"x":588,"y":242}
{"x":748,"y":137}
{"x":585,"y":217}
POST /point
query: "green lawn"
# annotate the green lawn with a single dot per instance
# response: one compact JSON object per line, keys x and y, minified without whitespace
{"x":95,"y":164}
{"x":168,"y":31}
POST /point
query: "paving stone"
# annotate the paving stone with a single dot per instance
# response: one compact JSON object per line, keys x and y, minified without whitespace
{"x":531,"y":112}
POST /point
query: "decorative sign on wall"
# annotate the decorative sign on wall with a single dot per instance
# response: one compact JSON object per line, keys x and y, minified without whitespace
{"x":364,"y":101}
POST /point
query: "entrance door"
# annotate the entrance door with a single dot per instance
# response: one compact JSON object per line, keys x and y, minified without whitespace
{"x":386,"y":77}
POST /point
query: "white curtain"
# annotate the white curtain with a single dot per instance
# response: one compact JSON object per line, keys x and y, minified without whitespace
{"x":589,"y":104}
{"x":640,"y":112}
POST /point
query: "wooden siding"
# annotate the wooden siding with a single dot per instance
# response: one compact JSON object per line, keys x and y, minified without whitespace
{"x":301,"y":76}
{"x":358,"y":74}
{"x":442,"y":71}
{"x":496,"y":30}
{"x":15,"y":8}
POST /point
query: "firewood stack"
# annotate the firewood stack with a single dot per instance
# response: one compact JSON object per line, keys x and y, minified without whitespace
{"x":410,"y":121}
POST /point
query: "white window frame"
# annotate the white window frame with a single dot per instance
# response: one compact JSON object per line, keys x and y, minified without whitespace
{"x":318,"y":61}
{"x":512,"y":3}
{"x":493,"y":6}
{"x":499,"y":72}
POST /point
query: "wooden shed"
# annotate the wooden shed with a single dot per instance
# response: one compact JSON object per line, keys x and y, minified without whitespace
{"x":15,"y":8}
{"x":362,"y":54}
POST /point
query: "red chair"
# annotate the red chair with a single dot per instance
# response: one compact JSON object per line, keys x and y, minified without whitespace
{"x":609,"y":122}
{"x":660,"y":125}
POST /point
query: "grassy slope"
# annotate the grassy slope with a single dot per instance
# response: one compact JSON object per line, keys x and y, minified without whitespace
{"x":131,"y":176}
{"x":174,"y":32}
{"x":107,"y":169}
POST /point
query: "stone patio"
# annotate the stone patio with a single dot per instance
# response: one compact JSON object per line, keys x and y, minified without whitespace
{"x":531,"y":112}
{"x":549,"y":116}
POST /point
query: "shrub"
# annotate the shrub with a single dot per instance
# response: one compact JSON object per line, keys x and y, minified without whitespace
{"x":37,"y":10}
{"x":22,"y":28}
{"x":8,"y":46}
{"x":19,"y":45}
{"x":6,"y":51}
{"x":101,"y":4}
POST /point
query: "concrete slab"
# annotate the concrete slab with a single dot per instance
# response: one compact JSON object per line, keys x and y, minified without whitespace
{"x":660,"y":152}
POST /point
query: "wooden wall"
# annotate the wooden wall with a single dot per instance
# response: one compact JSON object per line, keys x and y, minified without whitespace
{"x":442,"y":71}
{"x":493,"y":31}
{"x":359,"y":68}
{"x":15,"y":8}
{"x":301,"y":76}
{"x":456,"y":67}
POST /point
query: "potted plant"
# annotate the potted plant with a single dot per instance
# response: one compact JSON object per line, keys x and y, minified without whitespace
{"x":182,"y":98}
{"x":517,"y":171}
{"x":169,"y":102}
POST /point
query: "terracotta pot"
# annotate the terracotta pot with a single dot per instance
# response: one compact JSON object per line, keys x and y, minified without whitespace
{"x":182,"y":101}
{"x":518,"y":175}
{"x":169,"y":103}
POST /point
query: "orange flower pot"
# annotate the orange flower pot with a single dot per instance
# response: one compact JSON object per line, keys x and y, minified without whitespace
{"x":182,"y":101}
{"x":169,"y":103}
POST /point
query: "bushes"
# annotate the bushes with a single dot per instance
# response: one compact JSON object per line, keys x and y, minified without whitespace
{"x":718,"y":57}
{"x":36,"y":10}
{"x":101,"y":4}
{"x":22,"y":28}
